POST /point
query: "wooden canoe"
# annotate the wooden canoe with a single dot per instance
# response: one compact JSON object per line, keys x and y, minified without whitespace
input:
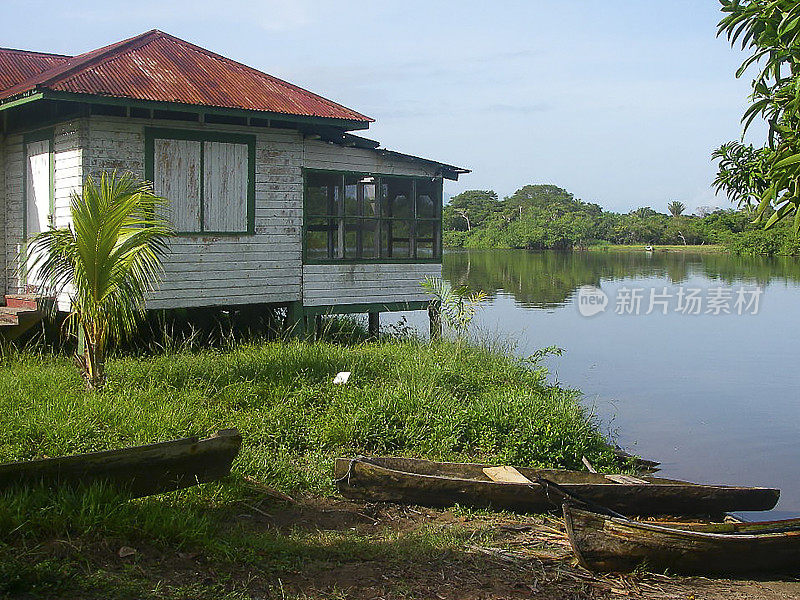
{"x":604,"y":543}
{"x":427,"y":483}
{"x":139,"y":470}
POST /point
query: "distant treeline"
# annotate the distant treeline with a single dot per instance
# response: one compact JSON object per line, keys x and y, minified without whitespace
{"x":538,"y":217}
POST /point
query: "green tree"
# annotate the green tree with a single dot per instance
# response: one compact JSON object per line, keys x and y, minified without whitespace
{"x":770,"y":30}
{"x":470,"y":209}
{"x":106,"y":264}
{"x":676,"y":208}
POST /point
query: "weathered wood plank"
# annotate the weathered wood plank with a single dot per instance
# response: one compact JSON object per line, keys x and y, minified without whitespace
{"x":176,"y":165}
{"x":139,"y":471}
{"x":225,"y":187}
{"x":506,"y":474}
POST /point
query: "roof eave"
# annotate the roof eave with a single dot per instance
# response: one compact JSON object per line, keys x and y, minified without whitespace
{"x":46,"y":94}
{"x":450,"y":172}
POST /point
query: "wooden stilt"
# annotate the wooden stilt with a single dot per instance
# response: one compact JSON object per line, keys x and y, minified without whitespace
{"x":435,"y":315}
{"x":374,"y":324}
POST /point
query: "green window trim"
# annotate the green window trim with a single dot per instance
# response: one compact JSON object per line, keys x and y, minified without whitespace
{"x":153,"y":133}
{"x":413,"y":221}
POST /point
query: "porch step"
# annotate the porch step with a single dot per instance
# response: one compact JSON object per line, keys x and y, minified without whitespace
{"x":30,"y":301}
{"x":21,"y":312}
{"x":14,"y":315}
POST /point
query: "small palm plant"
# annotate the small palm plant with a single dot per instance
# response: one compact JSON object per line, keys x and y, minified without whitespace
{"x":458,"y":305}
{"x":105,"y":263}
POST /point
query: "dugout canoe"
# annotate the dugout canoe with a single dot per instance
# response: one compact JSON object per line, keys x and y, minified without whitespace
{"x":138,"y":471}
{"x":605,"y":543}
{"x":428,"y":483}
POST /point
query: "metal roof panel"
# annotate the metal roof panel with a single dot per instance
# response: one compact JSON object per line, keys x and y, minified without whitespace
{"x":156,"y":66}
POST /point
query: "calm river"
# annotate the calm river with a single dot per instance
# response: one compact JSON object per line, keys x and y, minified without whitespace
{"x":714,"y":396}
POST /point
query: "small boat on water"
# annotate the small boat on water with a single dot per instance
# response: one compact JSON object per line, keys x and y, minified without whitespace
{"x":428,"y":483}
{"x":606,"y":543}
{"x":139,"y":470}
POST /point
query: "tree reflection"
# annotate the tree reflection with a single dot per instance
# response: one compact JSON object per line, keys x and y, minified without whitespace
{"x":549,"y":279}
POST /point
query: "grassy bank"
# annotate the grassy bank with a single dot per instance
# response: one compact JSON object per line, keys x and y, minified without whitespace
{"x":409,"y":398}
{"x":692,"y":249}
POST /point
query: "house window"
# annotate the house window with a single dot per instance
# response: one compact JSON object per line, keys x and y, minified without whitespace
{"x":208,"y":179}
{"x":364,"y":217}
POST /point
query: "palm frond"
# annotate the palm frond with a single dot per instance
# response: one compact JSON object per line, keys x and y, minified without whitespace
{"x":110,"y":257}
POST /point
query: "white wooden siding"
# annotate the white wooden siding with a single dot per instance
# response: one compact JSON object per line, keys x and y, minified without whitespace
{"x":366,"y":283}
{"x":68,"y":174}
{"x":68,"y":177}
{"x":220,"y":270}
{"x":321,"y":155}
{"x":225,"y":187}
{"x":176,"y":175}
{"x":208,"y":270}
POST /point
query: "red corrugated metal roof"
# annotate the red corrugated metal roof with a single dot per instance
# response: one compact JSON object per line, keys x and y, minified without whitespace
{"x":17,"y":66}
{"x":159,"y":67}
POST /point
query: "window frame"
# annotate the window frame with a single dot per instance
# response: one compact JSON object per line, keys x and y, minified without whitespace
{"x":381,"y":220}
{"x":159,"y":133}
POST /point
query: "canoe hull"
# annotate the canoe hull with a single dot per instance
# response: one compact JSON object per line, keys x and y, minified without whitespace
{"x":429,"y":483}
{"x":609,"y":544}
{"x":138,"y":471}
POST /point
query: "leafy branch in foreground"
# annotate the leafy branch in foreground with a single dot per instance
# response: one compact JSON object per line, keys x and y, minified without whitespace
{"x":770,"y":29}
{"x":105,"y":263}
{"x":458,"y":305}
{"x":742,"y":173}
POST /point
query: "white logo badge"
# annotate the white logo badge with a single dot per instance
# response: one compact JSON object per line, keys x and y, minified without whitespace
{"x":591,"y":300}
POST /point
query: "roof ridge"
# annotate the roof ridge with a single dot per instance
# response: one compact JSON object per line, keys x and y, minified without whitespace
{"x":101,"y":55}
{"x":270,"y":93}
{"x":75,"y":63}
{"x":255,"y":71}
{"x":19,"y":51}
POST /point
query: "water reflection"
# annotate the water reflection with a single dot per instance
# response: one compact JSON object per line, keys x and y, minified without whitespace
{"x":714,"y":398}
{"x":549,"y":279}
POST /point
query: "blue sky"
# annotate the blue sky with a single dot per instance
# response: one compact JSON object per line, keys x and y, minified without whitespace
{"x":621,"y":101}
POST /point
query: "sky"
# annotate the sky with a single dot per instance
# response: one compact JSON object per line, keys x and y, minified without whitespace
{"x":620,"y":102}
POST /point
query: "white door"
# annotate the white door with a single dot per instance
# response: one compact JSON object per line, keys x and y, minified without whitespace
{"x":38,"y":201}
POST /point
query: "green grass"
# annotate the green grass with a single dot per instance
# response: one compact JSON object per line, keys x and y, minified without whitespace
{"x":440,"y":401}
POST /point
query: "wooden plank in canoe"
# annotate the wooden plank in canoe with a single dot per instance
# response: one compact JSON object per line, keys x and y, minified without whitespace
{"x":429,"y":483}
{"x":139,"y":470}
{"x":505,"y":474}
{"x":626,"y":479}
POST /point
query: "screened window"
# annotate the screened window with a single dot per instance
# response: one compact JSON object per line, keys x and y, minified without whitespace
{"x":207,"y":178}
{"x":350,"y":216}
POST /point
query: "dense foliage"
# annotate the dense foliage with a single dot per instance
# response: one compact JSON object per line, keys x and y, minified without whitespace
{"x":538,"y":217}
{"x":770,"y":30}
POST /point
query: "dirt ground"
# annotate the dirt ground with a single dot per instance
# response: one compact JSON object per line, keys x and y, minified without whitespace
{"x":495,"y":557}
{"x":527,"y":557}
